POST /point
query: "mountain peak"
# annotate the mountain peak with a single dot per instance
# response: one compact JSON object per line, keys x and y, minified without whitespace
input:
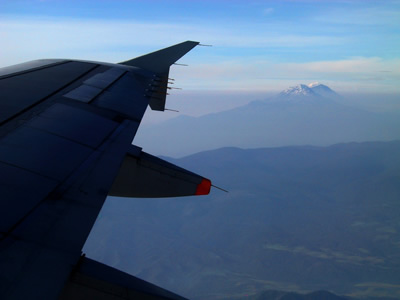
{"x":312,"y":91}
{"x":298,"y":90}
{"x":313,"y":84}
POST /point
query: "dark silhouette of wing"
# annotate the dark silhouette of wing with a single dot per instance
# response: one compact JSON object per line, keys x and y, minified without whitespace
{"x":66,"y":129}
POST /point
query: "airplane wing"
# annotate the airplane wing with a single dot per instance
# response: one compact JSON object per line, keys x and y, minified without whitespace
{"x":66,"y":131}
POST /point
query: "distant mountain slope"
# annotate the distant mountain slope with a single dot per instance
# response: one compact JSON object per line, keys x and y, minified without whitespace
{"x":278,"y":295}
{"x":295,"y":219}
{"x":323,"y":90}
{"x":297,"y":116}
{"x":318,"y":295}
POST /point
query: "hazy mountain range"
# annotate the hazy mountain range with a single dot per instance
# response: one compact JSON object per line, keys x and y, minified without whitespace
{"x":297,"y":219}
{"x":301,"y":115}
{"x":279,"y":295}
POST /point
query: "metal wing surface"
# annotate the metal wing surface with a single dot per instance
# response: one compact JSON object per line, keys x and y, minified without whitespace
{"x":66,"y":129}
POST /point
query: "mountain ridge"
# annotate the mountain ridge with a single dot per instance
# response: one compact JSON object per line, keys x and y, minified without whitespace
{"x":280,"y":121}
{"x":279,"y":295}
{"x":296,"y":219}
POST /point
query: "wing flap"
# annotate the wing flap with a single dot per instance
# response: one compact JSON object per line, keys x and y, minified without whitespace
{"x":145,"y":176}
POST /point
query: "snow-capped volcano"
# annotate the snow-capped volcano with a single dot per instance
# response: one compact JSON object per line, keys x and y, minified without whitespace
{"x":299,"y":90}
{"x":323,"y":90}
{"x":310,"y":92}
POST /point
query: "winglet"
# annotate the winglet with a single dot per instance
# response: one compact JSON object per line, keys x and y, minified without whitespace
{"x":160,"y":61}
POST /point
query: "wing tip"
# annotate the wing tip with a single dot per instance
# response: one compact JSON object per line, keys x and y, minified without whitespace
{"x":160,"y":60}
{"x":204,"y":187}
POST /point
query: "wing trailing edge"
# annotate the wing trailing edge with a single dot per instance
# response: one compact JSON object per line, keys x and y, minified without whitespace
{"x":145,"y":176}
{"x":159,"y":63}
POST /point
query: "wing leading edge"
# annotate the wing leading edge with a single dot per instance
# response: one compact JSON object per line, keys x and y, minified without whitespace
{"x":66,"y":129}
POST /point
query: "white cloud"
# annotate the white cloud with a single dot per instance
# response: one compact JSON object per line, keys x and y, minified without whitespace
{"x":366,"y":16}
{"x":368,"y":74}
{"x":112,"y":40}
{"x":359,"y":65}
{"x":79,"y":38}
{"x":268,"y":11}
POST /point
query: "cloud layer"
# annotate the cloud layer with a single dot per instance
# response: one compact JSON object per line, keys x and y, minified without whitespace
{"x":257,"y":45}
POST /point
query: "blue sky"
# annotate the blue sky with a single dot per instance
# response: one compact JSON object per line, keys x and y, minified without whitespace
{"x":257,"y":45}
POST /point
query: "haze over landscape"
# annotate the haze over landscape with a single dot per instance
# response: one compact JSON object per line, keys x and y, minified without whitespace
{"x":321,"y":215}
{"x":295,"y":110}
{"x":299,"y":115}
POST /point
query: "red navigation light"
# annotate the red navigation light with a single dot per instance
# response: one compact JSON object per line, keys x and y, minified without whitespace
{"x":204,"y":187}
